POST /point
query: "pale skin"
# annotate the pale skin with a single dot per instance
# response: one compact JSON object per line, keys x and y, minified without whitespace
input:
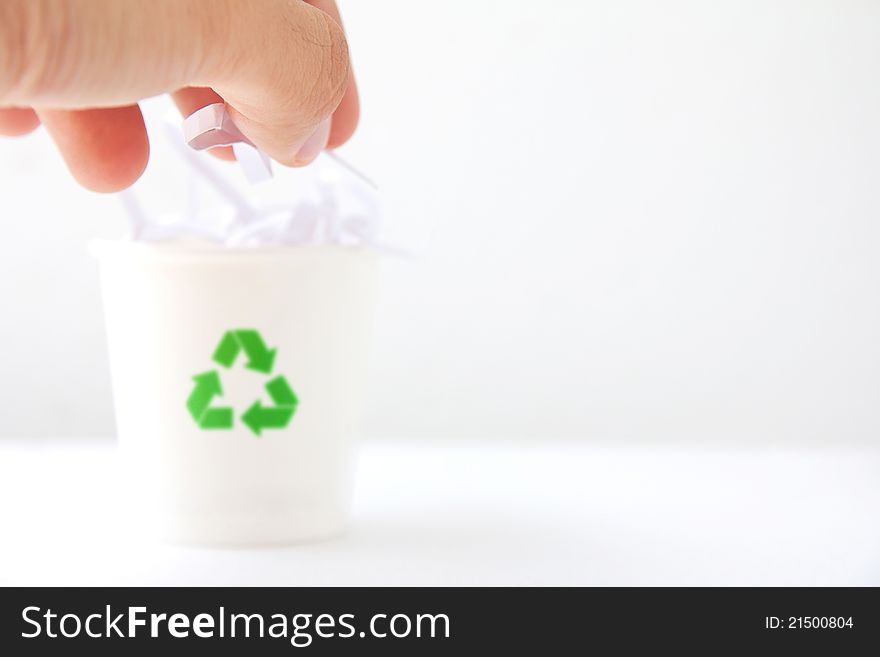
{"x":79,"y":68}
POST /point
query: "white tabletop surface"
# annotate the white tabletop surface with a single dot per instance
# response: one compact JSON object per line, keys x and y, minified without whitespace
{"x":480,"y":515}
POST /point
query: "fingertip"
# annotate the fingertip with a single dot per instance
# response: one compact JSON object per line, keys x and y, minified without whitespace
{"x":106,"y":150}
{"x":223,"y":153}
{"x":113,"y":174}
{"x":314,"y":145}
{"x":17,"y":121}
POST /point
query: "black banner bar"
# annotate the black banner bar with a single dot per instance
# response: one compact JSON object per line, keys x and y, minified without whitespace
{"x":410,"y":621}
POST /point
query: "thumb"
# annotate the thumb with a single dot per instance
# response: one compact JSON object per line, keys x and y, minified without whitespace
{"x":281,"y":65}
{"x":283,"y":82}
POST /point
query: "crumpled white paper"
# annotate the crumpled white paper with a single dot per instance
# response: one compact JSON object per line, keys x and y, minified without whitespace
{"x":336,"y":204}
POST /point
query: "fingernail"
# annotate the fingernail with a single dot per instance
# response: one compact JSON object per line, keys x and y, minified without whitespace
{"x":314,"y":144}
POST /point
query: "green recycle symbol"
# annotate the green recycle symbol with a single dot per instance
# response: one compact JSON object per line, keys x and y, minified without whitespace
{"x":260,"y":359}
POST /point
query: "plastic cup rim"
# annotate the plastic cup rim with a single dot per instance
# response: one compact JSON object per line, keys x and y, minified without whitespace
{"x":108,"y":248}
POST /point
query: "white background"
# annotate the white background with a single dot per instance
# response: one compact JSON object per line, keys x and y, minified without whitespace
{"x":636,"y":221}
{"x":519,"y":515}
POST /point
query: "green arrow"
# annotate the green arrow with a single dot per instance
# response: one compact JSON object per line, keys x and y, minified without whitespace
{"x":208,"y":386}
{"x":227,"y":350}
{"x":217,"y":418}
{"x":260,"y":357}
{"x":258,"y":417}
{"x":280,"y":392}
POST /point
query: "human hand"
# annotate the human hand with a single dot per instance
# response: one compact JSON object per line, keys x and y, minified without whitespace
{"x":79,"y":67}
